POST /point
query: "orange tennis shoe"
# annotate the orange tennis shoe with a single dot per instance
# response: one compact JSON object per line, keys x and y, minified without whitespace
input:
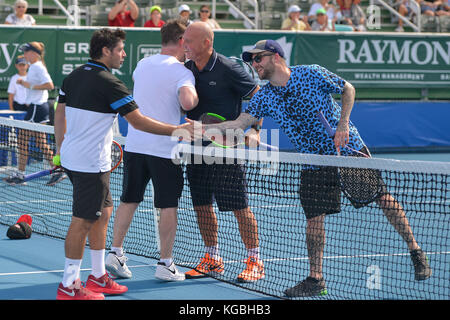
{"x":207,"y":266}
{"x":253,"y":272}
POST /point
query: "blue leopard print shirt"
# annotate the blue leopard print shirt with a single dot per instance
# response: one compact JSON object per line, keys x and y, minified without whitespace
{"x":294,"y":108}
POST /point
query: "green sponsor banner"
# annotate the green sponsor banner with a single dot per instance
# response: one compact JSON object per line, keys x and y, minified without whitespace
{"x":364,"y":59}
{"x":381,"y":60}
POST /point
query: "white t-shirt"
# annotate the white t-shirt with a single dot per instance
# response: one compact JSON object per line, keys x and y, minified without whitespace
{"x":19,"y":91}
{"x":26,"y":20}
{"x":157,"y":80}
{"x":37,"y":75}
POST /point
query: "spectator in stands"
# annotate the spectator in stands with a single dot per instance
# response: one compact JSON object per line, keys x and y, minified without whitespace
{"x":405,"y":10}
{"x":351,"y":13}
{"x":329,"y":8}
{"x":185,"y":12}
{"x":434,"y":7}
{"x":293,"y":22}
{"x":20,"y":17}
{"x":17,"y":94}
{"x":321,"y":21}
{"x":205,"y":14}
{"x":120,"y":16}
{"x":155,"y":18}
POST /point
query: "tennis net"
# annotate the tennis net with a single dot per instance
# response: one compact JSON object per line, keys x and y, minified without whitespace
{"x":364,"y":256}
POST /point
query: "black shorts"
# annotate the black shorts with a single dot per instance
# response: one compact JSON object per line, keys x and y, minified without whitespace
{"x":19,"y":107}
{"x":90,"y":193}
{"x":225,"y":183}
{"x":320,"y":188}
{"x":167,"y":179}
{"x":38,"y":113}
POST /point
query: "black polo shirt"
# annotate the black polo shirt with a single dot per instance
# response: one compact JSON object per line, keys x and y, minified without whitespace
{"x":93,"y":97}
{"x":92,"y":87}
{"x":221,"y":86}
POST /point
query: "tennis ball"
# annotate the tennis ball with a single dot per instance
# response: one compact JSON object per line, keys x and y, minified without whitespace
{"x":57,"y":160}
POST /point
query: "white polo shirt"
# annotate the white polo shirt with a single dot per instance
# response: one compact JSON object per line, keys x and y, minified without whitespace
{"x":157,"y":81}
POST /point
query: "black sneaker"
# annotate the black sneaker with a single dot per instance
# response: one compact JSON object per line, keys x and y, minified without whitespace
{"x":307,"y":288}
{"x":422,"y":270}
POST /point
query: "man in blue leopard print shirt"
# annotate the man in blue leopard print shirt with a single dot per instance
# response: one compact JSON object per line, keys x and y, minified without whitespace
{"x":293,"y":97}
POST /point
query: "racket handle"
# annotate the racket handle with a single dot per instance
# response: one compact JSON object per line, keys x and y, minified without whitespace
{"x":36,"y":175}
{"x":325,"y":123}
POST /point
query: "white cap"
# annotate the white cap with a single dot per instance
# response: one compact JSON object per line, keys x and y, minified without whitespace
{"x":184,"y":7}
{"x":294,"y":8}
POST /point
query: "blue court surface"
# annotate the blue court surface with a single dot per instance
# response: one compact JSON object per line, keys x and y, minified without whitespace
{"x":32,"y":269}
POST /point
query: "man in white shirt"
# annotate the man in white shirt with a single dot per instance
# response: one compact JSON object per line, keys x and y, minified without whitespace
{"x":161,"y":86}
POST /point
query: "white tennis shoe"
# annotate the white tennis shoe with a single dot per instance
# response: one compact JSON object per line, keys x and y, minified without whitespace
{"x":168,"y":273}
{"x":116,"y":265}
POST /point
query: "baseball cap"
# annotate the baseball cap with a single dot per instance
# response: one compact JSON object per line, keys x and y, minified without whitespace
{"x":261,"y":46}
{"x":28,"y":47}
{"x":294,"y":8}
{"x":183,"y":7}
{"x":321,"y":11}
{"x":155,"y":8}
{"x":21,"y":60}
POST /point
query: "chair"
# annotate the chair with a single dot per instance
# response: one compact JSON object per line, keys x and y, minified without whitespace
{"x":271,"y":20}
{"x":98,"y":15}
{"x":274,"y":5}
{"x":5,"y":10}
{"x":429,"y":23}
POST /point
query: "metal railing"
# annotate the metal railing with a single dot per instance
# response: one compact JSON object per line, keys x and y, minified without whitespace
{"x":415,"y":8}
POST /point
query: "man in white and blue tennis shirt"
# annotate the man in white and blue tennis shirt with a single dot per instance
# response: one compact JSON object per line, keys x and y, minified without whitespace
{"x":90,"y":99}
{"x":293,"y":97}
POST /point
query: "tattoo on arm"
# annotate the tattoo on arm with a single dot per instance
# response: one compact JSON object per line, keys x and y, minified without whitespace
{"x":348,"y":98}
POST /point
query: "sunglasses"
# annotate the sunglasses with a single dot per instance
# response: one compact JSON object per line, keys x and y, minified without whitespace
{"x":204,"y":11}
{"x":259,"y":57}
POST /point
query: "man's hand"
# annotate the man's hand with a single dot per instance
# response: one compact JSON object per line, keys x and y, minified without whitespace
{"x":341,"y":137}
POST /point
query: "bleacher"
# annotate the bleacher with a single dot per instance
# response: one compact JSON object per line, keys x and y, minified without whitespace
{"x":271,"y":13}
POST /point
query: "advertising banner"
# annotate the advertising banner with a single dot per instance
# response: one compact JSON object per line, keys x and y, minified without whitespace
{"x":365,"y":59}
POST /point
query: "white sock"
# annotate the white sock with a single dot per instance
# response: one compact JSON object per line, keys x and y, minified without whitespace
{"x":167,"y":261}
{"x":98,"y":263}
{"x":71,"y":271}
{"x":254,"y":252}
{"x":213,"y":252}
{"x":118,"y":251}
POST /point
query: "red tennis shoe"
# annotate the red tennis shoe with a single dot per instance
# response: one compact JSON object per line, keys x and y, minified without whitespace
{"x":77,"y":292}
{"x":104,"y":284}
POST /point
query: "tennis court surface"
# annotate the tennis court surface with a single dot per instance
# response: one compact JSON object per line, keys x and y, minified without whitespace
{"x":364,"y":257}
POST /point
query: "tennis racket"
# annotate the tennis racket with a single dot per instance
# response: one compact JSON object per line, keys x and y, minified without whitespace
{"x":116,"y":158}
{"x":331,"y":132}
{"x":360,"y":185}
{"x":224,"y":141}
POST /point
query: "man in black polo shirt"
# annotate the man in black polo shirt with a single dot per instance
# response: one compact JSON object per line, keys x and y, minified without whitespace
{"x":221,"y":85}
{"x":89,"y":101}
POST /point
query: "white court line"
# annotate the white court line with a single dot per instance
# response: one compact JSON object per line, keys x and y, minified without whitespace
{"x":239,"y":261}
